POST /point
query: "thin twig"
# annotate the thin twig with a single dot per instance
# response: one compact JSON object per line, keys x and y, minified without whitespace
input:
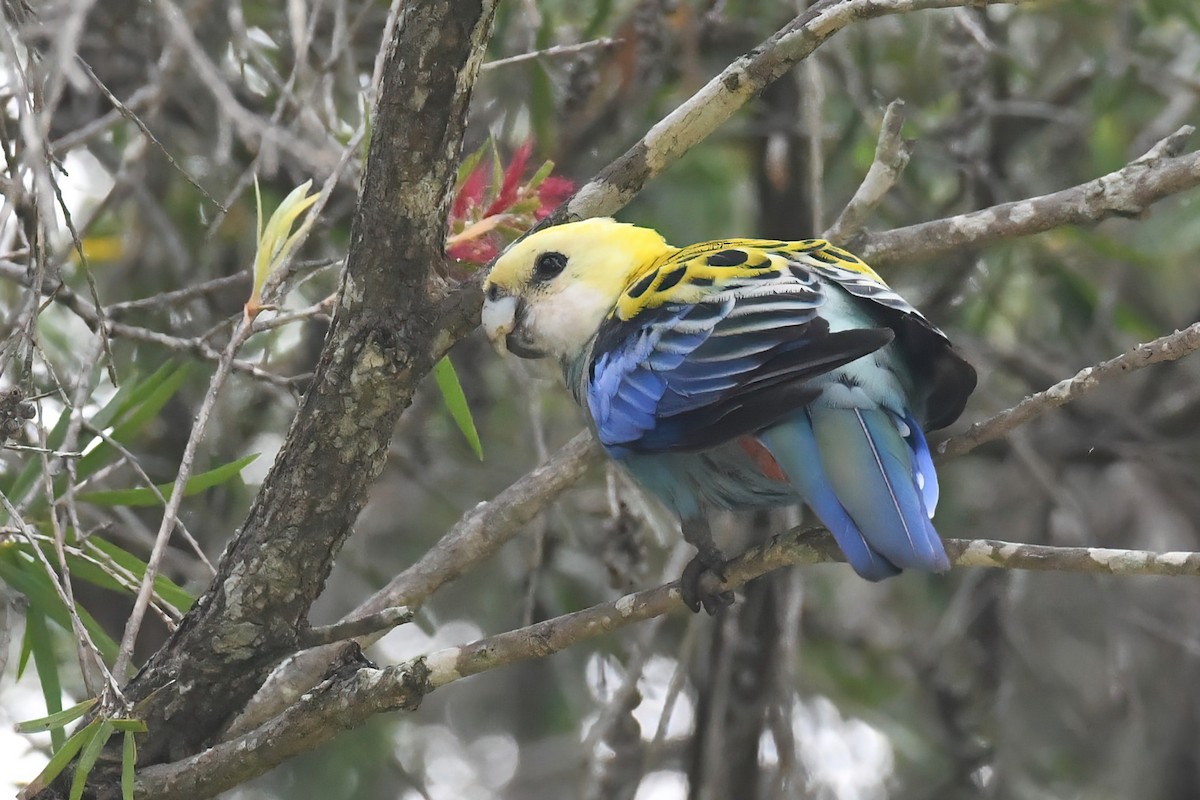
{"x":354,"y":627}
{"x":134,"y":623}
{"x":141,"y":126}
{"x":144,"y":477}
{"x":1128,"y":192}
{"x":181,"y":295}
{"x":109,"y":363}
{"x":63,"y":295}
{"x":1165,"y":348}
{"x":892,"y":152}
{"x":24,"y":448}
{"x":550,"y":52}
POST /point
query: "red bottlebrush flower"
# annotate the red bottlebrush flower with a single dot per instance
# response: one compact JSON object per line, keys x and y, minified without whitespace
{"x":512,"y":179}
{"x":469,"y":194}
{"x":477,"y":233}
{"x":553,"y":191}
{"x":475,"y":251}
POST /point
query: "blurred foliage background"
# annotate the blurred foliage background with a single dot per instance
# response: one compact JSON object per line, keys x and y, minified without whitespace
{"x":816,"y":684}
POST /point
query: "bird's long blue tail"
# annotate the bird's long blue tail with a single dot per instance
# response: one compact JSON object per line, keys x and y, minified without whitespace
{"x":868,"y":475}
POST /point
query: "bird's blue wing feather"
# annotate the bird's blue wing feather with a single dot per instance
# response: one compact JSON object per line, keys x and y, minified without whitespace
{"x":682,"y":376}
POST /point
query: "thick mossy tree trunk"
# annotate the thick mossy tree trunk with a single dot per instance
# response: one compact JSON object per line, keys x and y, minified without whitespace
{"x":384,"y":339}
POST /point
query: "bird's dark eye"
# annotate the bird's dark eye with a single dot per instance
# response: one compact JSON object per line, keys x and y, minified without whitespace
{"x":493,"y":292}
{"x":548,"y":265}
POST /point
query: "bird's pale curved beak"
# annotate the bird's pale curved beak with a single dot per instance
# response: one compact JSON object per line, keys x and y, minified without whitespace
{"x":498,"y":319}
{"x":501,"y":321}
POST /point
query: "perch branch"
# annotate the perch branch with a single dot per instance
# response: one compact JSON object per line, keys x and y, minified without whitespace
{"x":795,"y":547}
{"x":339,"y":704}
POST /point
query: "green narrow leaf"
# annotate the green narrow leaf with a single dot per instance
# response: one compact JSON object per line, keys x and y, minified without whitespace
{"x":41,"y":646}
{"x":61,"y":759}
{"x":542,"y":107}
{"x":130,"y":395}
{"x":87,"y":759}
{"x":19,"y":570}
{"x":23,"y":661}
{"x":126,"y":399}
{"x":258,"y":231}
{"x":542,"y":173}
{"x":164,"y":587}
{"x":104,"y":551}
{"x":456,"y":403}
{"x":468,"y":165}
{"x":145,"y":496}
{"x":142,"y":408}
{"x":128,"y":761}
{"x":59,"y":719}
{"x":129,"y":725}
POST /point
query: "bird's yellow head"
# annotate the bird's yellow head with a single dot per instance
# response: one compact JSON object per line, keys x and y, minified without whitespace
{"x":548,"y":293}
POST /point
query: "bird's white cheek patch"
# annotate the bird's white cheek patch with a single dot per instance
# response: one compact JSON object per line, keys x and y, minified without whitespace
{"x":563,"y":324}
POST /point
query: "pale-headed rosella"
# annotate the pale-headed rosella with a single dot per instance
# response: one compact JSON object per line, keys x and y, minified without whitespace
{"x":743,"y":374}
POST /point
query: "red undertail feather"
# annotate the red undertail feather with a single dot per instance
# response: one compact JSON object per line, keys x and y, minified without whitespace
{"x":762,"y":458}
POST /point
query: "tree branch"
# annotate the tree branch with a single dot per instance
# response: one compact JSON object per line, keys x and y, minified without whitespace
{"x":336,"y":705}
{"x":892,"y":152}
{"x":701,"y":114}
{"x":481,"y":532}
{"x":1128,"y":192}
{"x":354,"y":626}
{"x":792,"y":548}
{"x":1171,"y":347}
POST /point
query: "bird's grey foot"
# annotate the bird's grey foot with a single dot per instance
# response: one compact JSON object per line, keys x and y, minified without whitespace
{"x":708,"y":559}
{"x":694,"y":595}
